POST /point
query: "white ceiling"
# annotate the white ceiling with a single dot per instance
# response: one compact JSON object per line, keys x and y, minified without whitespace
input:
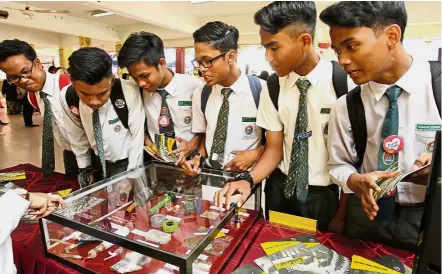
{"x":173,"y":21}
{"x":79,"y":10}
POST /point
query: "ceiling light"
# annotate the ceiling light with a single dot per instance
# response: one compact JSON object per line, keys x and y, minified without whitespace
{"x":102,"y":13}
{"x":199,"y":1}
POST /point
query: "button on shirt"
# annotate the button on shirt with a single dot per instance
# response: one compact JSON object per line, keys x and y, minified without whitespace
{"x":321,"y":97}
{"x":119,"y":143}
{"x":242,"y":131}
{"x":418,"y":120}
{"x":179,"y":101}
{"x":52,"y":89}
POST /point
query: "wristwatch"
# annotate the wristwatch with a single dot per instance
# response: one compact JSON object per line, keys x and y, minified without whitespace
{"x":195,"y":153}
{"x":245,"y":176}
{"x":22,"y":192}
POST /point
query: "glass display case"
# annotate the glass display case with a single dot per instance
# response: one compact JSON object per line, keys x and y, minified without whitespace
{"x":153,"y":219}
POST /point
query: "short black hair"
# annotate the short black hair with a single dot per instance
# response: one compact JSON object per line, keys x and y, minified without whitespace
{"x":90,"y":65}
{"x":279,"y":14}
{"x":220,"y":35}
{"x":52,"y":69}
{"x":141,"y":46}
{"x":15,"y":47}
{"x":371,"y":14}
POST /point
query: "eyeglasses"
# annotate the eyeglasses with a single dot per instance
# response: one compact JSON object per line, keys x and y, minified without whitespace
{"x":209,"y":63}
{"x":17,"y":78}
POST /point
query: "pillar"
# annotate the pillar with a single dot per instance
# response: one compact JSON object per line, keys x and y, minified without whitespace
{"x":180,"y":60}
{"x":64,"y":53}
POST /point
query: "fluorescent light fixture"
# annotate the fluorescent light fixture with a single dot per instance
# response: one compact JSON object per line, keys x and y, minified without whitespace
{"x":102,"y":13}
{"x":199,"y":1}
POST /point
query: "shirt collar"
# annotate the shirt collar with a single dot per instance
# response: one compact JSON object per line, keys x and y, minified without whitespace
{"x":241,"y":84}
{"x":171,"y":87}
{"x":313,"y":77}
{"x":48,"y":87}
{"x":407,"y":82}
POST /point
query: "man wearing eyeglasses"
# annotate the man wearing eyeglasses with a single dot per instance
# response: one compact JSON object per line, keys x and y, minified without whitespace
{"x":167,"y":96}
{"x":225,"y":109}
{"x":18,"y":60}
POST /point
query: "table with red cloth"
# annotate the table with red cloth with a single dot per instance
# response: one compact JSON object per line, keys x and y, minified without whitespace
{"x":343,"y":245}
{"x":29,"y":256}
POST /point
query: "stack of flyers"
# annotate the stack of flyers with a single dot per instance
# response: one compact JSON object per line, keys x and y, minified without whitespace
{"x":309,"y":258}
{"x":12,"y":176}
{"x":278,"y":245}
{"x":386,"y":264}
{"x":162,"y":148}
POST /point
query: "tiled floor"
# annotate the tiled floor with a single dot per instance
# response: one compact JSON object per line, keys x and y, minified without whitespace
{"x":20,"y":144}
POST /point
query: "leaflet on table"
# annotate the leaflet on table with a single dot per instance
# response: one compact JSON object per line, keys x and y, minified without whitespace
{"x":389,"y":184}
{"x":247,"y":269}
{"x":277,"y":245}
{"x":163,"y":146}
{"x":280,"y":244}
{"x":385,"y":264}
{"x":12,"y":176}
{"x":309,"y":258}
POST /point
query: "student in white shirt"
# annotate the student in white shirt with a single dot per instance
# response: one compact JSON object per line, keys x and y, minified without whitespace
{"x":232,"y":140}
{"x":20,"y":63}
{"x":116,"y":147}
{"x":367,"y":37}
{"x":17,"y":201}
{"x":306,"y":95}
{"x":143,"y":56}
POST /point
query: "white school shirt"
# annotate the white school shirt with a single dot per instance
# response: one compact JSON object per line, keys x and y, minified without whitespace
{"x":118,"y":142}
{"x":418,"y":121}
{"x":179,"y":101}
{"x":242,"y":131}
{"x":321,"y":97}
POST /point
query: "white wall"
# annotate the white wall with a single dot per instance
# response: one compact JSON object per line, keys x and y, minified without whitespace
{"x":32,"y":36}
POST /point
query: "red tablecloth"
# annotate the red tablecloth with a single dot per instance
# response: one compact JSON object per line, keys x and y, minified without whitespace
{"x":28,"y":249}
{"x":27,"y":246}
{"x":29,"y":255}
{"x":341,"y":244}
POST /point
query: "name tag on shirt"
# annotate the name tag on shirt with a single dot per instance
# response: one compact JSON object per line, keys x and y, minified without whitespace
{"x":249,"y":119}
{"x":184,"y":103}
{"x":428,"y":127}
{"x":114,"y":121}
{"x":325,"y":110}
{"x":304,"y":135}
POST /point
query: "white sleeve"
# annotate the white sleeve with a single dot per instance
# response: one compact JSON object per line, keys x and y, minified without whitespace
{"x":268,"y":117}
{"x":77,"y":136}
{"x":341,"y":147}
{"x":199,"y":123}
{"x":16,"y":206}
{"x":137,"y":117}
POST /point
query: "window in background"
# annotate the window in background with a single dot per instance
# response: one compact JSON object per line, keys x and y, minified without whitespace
{"x":251,"y":60}
{"x":189,"y":55}
{"x":171,"y":58}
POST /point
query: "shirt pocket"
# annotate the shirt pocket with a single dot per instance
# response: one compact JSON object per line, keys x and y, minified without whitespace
{"x":185,"y":116}
{"x":423,"y":140}
{"x":117,"y":131}
{"x":249,"y":128}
